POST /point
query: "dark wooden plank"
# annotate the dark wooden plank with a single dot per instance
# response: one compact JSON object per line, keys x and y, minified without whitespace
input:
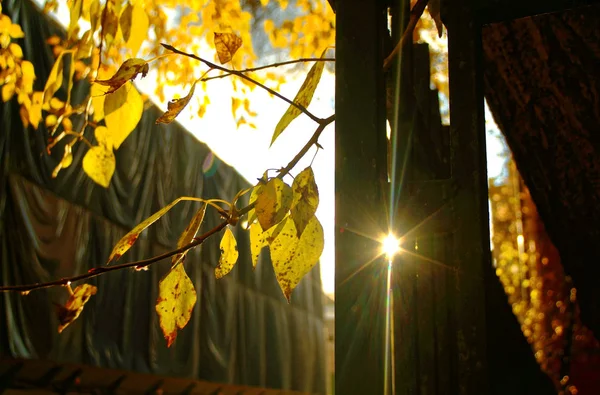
{"x":360,"y":175}
{"x":471,"y":253}
{"x":491,"y":11}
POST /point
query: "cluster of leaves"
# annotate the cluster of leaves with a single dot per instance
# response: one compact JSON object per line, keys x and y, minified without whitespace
{"x":280,"y":217}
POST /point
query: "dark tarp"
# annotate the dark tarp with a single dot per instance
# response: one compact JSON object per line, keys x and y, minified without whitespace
{"x":242,"y":329}
{"x":542,"y":83}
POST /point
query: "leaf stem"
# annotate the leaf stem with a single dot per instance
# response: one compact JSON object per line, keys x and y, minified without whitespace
{"x":268,"y":66}
{"x":244,"y":76}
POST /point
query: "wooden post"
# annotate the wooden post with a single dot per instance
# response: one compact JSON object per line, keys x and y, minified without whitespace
{"x":360,"y":152}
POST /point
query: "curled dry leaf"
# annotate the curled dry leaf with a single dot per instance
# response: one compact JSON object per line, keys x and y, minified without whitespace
{"x":74,"y":306}
{"x":188,"y":234}
{"x":175,"y":303}
{"x":175,"y":106}
{"x":127,"y":72}
{"x":229,"y":254}
{"x":130,"y":238}
{"x":303,"y":97}
{"x":273,"y":202}
{"x":306,"y":199}
{"x":226,"y":45}
{"x":294,"y":257}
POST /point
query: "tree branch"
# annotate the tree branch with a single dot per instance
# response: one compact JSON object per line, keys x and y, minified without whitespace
{"x":244,"y":76}
{"x":97,"y":271}
{"x":301,"y":60}
{"x":415,"y":15}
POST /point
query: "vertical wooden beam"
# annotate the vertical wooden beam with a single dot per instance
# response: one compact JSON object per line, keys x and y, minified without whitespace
{"x":471,"y":238}
{"x":360,"y":170}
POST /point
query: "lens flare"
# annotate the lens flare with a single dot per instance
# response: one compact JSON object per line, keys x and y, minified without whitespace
{"x":390,"y":245}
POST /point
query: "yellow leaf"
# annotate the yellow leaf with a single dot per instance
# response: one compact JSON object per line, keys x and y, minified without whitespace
{"x":139,"y":28}
{"x":125,"y":21}
{"x":65,"y":162}
{"x":99,"y":164}
{"x":293,"y":258}
{"x":303,"y":97}
{"x":74,"y":306}
{"x":54,"y":81}
{"x":188,"y":234}
{"x":273,"y":203}
{"x":28,"y":72}
{"x":131,"y":237}
{"x":258,"y":240}
{"x":75,"y":13}
{"x":175,"y":303}
{"x":306,"y":199}
{"x":95,"y":14}
{"x":8,"y":90}
{"x":16,"y":50}
{"x":226,"y":45}
{"x":175,"y":106}
{"x":85,"y":46}
{"x":15,"y":31}
{"x":122,"y":112}
{"x":110,"y":23}
{"x":229,"y":254}
{"x":97,"y":94}
{"x":128,"y":71}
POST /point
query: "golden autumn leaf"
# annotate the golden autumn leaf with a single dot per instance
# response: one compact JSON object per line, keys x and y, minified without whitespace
{"x":74,"y":306}
{"x":109,"y":22}
{"x":188,"y":234}
{"x":65,"y":162}
{"x":229,"y":254}
{"x":99,"y":164}
{"x":226,"y":45}
{"x":54,"y":81}
{"x":122,"y":111}
{"x":8,"y":90}
{"x":306,"y":199}
{"x":127,"y":72}
{"x":303,"y":97}
{"x":134,"y":24}
{"x":131,"y":237}
{"x":175,"y":303}
{"x":258,"y":240}
{"x":175,"y":106}
{"x":273,"y":203}
{"x":293,"y":258}
{"x":75,"y":8}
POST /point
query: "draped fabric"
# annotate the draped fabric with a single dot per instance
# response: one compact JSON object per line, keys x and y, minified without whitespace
{"x":242,"y":330}
{"x":542,"y":83}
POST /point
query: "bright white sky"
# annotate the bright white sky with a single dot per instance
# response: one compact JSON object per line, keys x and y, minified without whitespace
{"x":248,"y":150}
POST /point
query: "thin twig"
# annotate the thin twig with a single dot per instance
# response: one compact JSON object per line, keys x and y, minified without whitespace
{"x":301,"y":60}
{"x":97,"y":271}
{"x":244,"y":76}
{"x":415,"y":15}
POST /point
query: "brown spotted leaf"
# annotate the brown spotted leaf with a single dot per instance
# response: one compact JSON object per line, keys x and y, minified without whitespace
{"x":306,"y":199}
{"x":130,"y":238}
{"x":229,"y":254}
{"x":188,"y":234}
{"x":293,"y":258}
{"x":127,"y":72}
{"x":175,"y":106}
{"x":226,"y":45}
{"x":74,"y":306}
{"x":303,"y":97}
{"x":175,"y":303}
{"x":273,"y":202}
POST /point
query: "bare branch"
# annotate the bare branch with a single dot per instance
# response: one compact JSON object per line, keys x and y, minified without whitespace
{"x":269,"y":66}
{"x":244,"y":76}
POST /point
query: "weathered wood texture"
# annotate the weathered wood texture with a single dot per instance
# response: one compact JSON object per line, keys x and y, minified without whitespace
{"x":542,"y":83}
{"x":360,"y":172}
